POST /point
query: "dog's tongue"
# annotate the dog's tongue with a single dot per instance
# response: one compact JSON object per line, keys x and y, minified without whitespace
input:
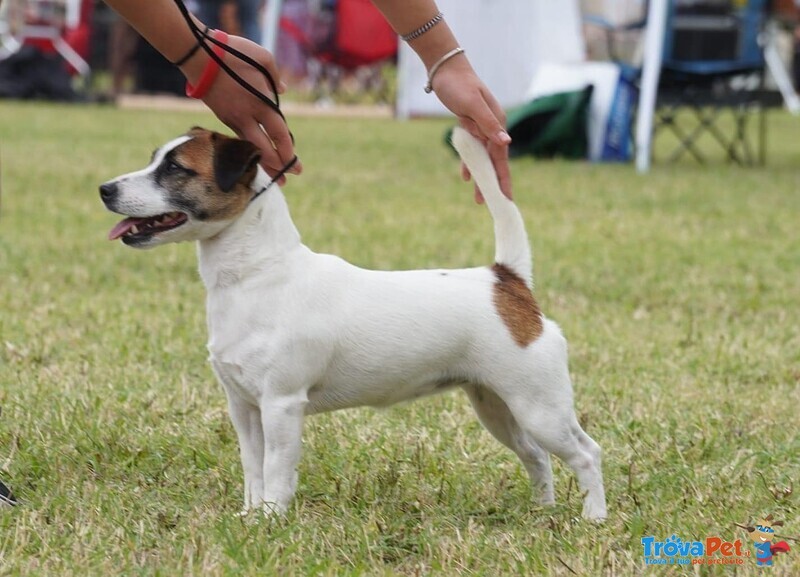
{"x":123,"y":226}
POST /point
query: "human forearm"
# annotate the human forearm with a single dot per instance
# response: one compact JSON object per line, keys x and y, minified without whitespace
{"x":452,"y":78}
{"x":163,"y":26}
{"x":407,"y":16}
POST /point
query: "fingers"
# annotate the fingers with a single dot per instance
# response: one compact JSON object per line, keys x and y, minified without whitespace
{"x":498,"y":151}
{"x":270,"y":160}
{"x":479,"y":195}
{"x":472,"y":127}
{"x":499,"y":156}
{"x":267,"y":60}
{"x":250,"y":117}
{"x":281,"y":141}
{"x":491,"y":119}
{"x":277,"y":147}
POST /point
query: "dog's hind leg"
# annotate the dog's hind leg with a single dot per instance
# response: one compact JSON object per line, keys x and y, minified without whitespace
{"x":579,"y":451}
{"x":493,"y":413}
{"x":246,"y":419}
{"x":553,"y":425}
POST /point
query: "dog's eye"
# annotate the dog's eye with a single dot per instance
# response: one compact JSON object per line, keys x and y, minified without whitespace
{"x":169,"y":167}
{"x":173,"y":167}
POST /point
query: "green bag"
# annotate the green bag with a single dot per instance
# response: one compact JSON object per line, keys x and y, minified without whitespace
{"x":552,"y":126}
{"x":549,"y":126}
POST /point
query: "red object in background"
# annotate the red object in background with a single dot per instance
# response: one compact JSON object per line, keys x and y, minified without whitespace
{"x":362,"y":34}
{"x":77,"y":38}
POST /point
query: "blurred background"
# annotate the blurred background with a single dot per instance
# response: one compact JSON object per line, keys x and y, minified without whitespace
{"x":335,"y":53}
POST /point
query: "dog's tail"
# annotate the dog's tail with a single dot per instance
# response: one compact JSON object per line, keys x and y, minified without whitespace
{"x":511,"y":241}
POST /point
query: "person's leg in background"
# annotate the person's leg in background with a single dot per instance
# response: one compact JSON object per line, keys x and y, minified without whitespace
{"x":208,"y":12}
{"x":122,"y":48}
{"x":250,"y":18}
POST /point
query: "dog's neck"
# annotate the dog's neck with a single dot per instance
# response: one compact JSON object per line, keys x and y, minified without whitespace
{"x":262,"y":237}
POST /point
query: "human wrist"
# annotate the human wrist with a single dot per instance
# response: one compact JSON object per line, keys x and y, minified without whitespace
{"x":192,"y":51}
{"x":434,"y":44}
{"x":454,"y":53}
{"x":192,"y":70}
{"x":176,"y":45}
{"x":199,"y":87}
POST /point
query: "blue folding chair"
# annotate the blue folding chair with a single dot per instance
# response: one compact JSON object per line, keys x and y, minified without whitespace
{"x":714,"y":62}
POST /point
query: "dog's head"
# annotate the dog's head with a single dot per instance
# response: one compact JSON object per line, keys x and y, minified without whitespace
{"x":193,"y":187}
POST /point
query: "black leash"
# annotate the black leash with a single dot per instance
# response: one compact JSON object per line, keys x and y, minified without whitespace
{"x":203,"y":37}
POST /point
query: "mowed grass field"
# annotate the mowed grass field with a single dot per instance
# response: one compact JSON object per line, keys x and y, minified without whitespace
{"x":678,"y":293}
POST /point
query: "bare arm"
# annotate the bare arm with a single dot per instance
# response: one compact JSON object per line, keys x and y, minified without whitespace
{"x":455,"y":83}
{"x":162,"y":25}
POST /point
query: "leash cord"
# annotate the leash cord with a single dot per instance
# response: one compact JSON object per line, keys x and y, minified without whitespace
{"x":202,"y":36}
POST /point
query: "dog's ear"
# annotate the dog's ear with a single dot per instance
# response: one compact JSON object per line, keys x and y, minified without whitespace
{"x":233,"y":159}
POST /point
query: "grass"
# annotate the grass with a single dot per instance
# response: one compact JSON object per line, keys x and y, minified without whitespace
{"x":677,"y":291}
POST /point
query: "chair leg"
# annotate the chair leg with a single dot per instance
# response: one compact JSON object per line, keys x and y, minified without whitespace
{"x":738,"y":141}
{"x":744,"y":143}
{"x":686,"y":141}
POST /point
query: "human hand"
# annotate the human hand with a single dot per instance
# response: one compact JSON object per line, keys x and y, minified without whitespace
{"x":478,"y":112}
{"x":249,"y":117}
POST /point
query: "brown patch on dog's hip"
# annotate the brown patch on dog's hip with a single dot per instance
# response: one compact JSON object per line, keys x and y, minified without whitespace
{"x":517,"y":306}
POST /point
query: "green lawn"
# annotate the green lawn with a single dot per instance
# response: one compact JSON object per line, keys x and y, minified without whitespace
{"x":678,"y":293}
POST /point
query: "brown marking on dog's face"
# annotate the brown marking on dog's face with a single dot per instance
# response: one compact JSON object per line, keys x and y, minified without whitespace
{"x":517,"y":306}
{"x":209,"y":176}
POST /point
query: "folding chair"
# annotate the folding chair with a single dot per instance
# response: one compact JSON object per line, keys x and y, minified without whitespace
{"x":713,"y":64}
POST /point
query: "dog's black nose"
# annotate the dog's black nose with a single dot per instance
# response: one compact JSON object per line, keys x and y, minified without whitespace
{"x":108,"y":190}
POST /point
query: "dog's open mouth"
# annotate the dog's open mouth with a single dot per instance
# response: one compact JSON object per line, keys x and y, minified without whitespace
{"x":134,"y":227}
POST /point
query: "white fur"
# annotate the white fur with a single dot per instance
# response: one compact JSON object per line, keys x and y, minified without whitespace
{"x":293,"y":332}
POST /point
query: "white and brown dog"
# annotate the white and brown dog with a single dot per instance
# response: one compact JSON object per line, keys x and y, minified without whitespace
{"x":293,"y":332}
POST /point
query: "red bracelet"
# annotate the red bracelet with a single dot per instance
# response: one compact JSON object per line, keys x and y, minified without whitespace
{"x":211,"y":70}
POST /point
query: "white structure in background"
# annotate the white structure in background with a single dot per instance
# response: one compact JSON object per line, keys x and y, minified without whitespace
{"x":270,"y":24}
{"x":506,"y":42}
{"x":651,"y":72}
{"x":509,"y":41}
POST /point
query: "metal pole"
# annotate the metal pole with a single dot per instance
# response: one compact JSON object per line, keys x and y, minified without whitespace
{"x":271,"y":25}
{"x":651,"y":72}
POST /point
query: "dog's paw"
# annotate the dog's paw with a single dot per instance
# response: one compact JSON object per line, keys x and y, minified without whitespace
{"x":594,"y":511}
{"x":273,"y":509}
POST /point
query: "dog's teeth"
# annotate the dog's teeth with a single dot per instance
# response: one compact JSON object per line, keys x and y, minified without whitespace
{"x":134,"y":230}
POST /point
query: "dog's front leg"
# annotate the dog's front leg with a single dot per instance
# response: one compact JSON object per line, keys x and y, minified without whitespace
{"x":246,"y":419}
{"x":282,"y":422}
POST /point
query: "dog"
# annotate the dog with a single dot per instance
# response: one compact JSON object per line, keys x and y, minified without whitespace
{"x":294,"y":333}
